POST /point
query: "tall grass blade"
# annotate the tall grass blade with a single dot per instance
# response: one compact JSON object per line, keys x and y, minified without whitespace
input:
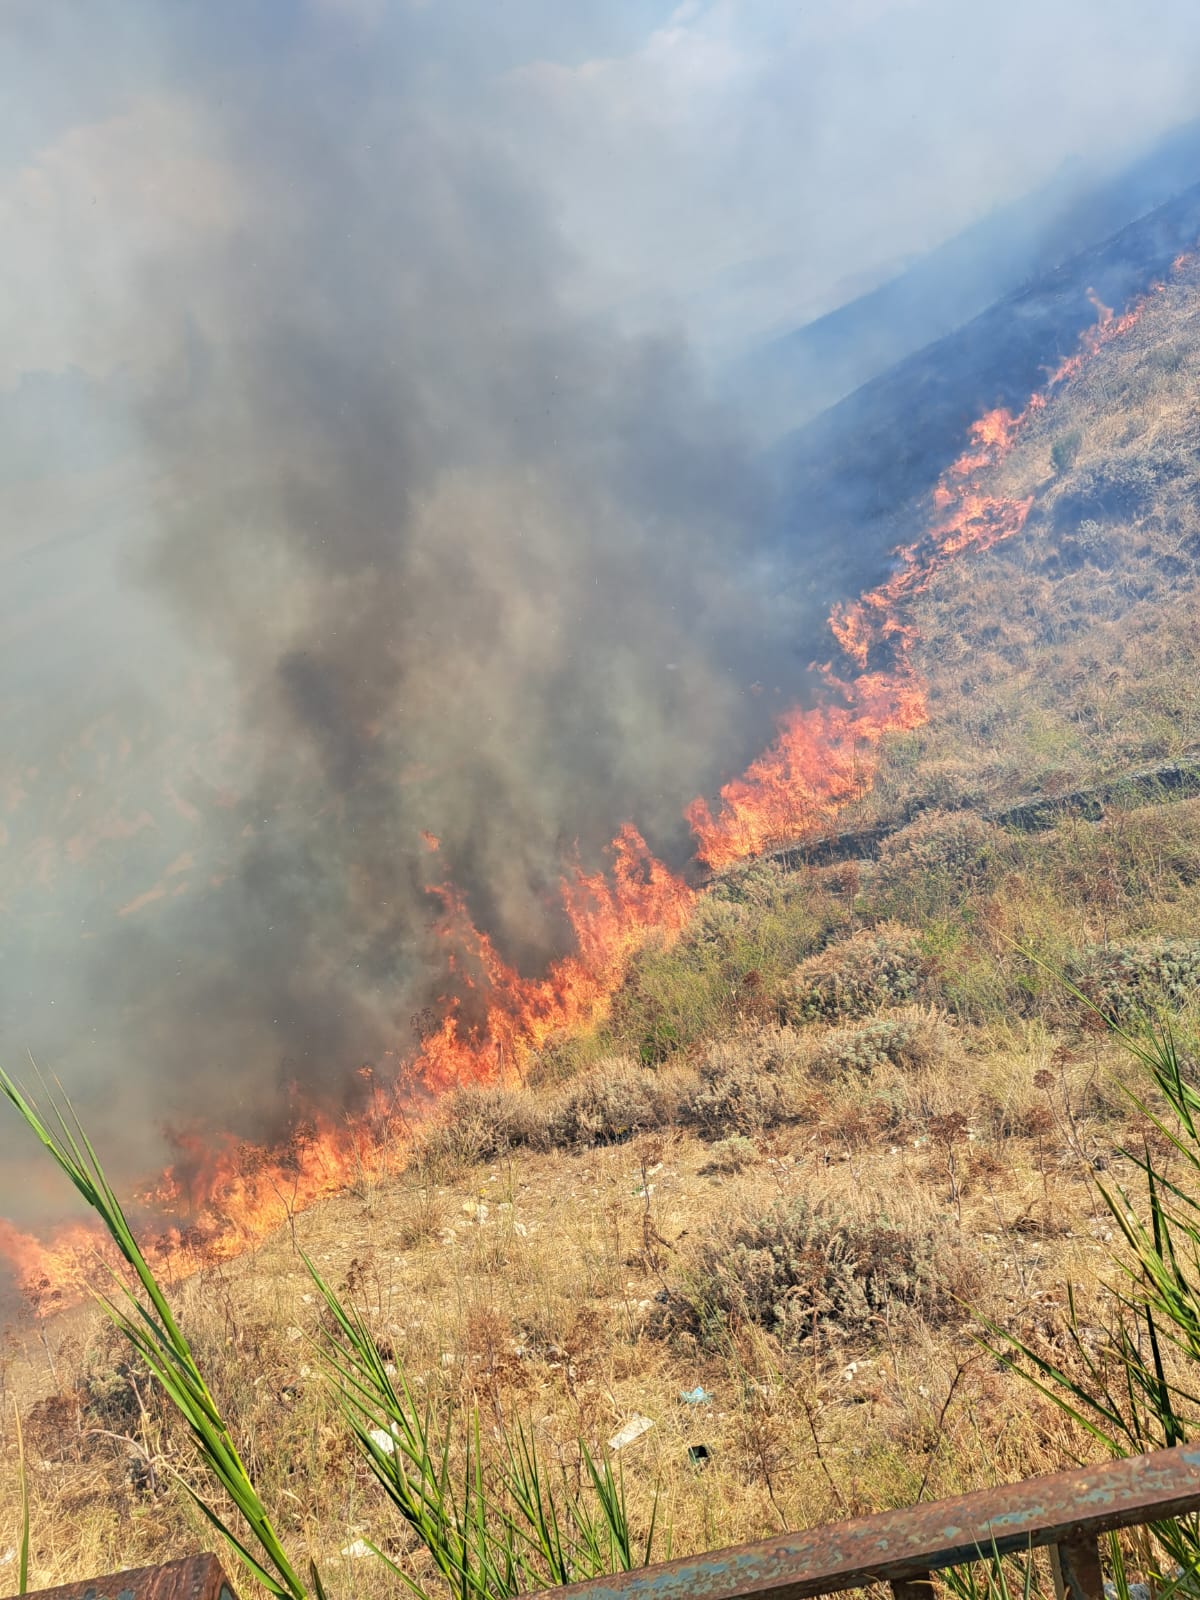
{"x":23,"y":1486}
{"x":1156,"y":1338}
{"x":158,"y":1339}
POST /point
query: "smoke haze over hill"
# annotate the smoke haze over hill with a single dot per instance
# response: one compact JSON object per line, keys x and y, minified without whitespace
{"x":372,"y":521}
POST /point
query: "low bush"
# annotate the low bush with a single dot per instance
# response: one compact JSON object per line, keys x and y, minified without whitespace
{"x":478,"y":1124}
{"x":615,"y":1101}
{"x":911,"y":1039}
{"x":799,"y":1271}
{"x":1065,"y":449}
{"x":936,"y":862}
{"x":745,"y":1082}
{"x":876,"y":967}
{"x":1140,"y":976}
{"x":731,"y":1155}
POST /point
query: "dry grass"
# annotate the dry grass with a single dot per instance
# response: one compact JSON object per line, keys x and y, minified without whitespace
{"x":534,"y":1284}
{"x":930,"y":1085}
{"x":1074,"y":649}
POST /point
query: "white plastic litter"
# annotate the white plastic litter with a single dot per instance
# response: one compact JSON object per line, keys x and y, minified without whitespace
{"x":633,"y":1429}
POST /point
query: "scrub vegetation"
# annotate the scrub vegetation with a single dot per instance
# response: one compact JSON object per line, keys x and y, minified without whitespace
{"x":880,"y":1182}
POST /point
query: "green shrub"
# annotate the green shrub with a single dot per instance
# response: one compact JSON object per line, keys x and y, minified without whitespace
{"x":797,"y":1271}
{"x":934,"y":864}
{"x":874,"y":968}
{"x":758,"y":883}
{"x":1065,"y":450}
{"x":729,"y":966}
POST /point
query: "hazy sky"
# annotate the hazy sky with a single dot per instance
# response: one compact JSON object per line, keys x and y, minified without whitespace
{"x":362,"y":474}
{"x":738,"y":163}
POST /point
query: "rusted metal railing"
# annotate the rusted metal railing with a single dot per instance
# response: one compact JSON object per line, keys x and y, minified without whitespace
{"x":193,"y":1578}
{"x":1068,"y":1511}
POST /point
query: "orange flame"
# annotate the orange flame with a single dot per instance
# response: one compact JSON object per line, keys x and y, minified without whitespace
{"x":610,"y":918}
{"x":233,"y":1193}
{"x":824,"y":758}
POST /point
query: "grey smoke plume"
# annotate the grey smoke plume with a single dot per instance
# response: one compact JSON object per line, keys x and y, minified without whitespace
{"x":343,"y":507}
{"x":415,"y":549}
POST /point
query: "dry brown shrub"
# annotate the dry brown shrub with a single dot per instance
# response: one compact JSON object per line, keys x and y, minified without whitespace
{"x":613,"y":1102}
{"x":730,"y":1155}
{"x":422,"y":1219}
{"x":479,"y":1124}
{"x":798,"y":1270}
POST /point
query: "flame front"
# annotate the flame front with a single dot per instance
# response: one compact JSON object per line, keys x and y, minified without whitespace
{"x":221,"y":1196}
{"x":610,"y":917}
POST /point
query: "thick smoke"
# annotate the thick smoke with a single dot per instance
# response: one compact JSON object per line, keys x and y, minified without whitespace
{"x":438,"y":557}
{"x":343,"y":519}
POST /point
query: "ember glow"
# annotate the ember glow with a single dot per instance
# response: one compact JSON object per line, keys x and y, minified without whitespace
{"x":220,"y":1196}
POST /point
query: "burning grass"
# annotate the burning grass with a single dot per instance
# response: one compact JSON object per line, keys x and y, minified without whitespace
{"x":861,"y":747}
{"x":850,"y":1074}
{"x":819,"y":1289}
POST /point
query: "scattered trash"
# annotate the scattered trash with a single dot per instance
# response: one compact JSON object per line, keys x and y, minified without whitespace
{"x":644,"y":1193}
{"x":699,"y":1396}
{"x":698,"y":1454}
{"x":633,"y":1429}
{"x":384,"y":1440}
{"x":357,"y":1550}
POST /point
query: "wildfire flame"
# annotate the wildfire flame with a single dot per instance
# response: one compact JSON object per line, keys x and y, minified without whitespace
{"x":233,"y":1193}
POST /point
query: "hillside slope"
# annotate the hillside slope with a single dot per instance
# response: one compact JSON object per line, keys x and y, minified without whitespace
{"x":800,"y":373}
{"x":814,"y":1137}
{"x":856,"y":477}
